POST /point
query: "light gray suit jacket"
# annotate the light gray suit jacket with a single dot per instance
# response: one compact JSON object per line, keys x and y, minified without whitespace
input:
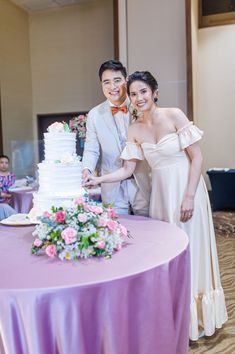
{"x":102,"y":142}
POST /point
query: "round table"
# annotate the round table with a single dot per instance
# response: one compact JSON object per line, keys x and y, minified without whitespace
{"x":137,"y":302}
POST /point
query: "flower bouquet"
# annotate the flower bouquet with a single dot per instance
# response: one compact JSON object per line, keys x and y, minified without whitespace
{"x":84,"y":230}
{"x":78,"y":125}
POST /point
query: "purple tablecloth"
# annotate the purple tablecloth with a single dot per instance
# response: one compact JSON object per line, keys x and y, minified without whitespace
{"x":22,"y":201}
{"x":135,"y":303}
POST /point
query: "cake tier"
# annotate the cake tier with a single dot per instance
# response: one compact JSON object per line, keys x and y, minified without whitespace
{"x":58,"y":144}
{"x":65,"y":178}
{"x":45,"y":201}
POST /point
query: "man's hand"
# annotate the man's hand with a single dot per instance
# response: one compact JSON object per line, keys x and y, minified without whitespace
{"x":85,"y":175}
{"x":91,"y":181}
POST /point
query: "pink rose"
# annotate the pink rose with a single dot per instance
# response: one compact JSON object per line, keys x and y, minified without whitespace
{"x":79,"y":201}
{"x":112,"y":213}
{"x":51,"y":251}
{"x":69,"y":235}
{"x":112,"y":224}
{"x":102,"y":222}
{"x":82,"y":217}
{"x":123,"y":231}
{"x":60,"y":216}
{"x":37,"y":242}
{"x":100,"y":244}
{"x":46,"y":214}
{"x":94,"y":209}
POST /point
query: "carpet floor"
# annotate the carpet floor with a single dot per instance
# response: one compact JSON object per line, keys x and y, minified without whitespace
{"x":223,"y":341}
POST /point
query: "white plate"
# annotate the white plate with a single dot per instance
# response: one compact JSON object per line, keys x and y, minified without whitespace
{"x":18,"y":220}
{"x":19,"y":189}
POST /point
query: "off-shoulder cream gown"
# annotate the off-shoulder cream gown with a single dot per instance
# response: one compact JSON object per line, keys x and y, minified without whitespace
{"x":170,"y":165}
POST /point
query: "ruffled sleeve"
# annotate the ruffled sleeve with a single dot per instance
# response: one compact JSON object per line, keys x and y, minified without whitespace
{"x":188,"y":135}
{"x":132,"y":151}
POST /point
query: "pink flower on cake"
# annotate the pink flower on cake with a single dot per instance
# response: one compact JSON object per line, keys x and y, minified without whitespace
{"x":112,"y":224}
{"x":60,"y":216}
{"x":69,"y":235}
{"x":102,"y":222}
{"x":46,"y":214}
{"x":37,"y":242}
{"x":82,"y":217}
{"x":51,"y":251}
{"x":112,"y":213}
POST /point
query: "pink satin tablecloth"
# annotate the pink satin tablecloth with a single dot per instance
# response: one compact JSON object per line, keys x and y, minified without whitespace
{"x":135,"y":303}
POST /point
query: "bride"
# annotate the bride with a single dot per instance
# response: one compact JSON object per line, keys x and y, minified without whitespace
{"x":169,"y":142}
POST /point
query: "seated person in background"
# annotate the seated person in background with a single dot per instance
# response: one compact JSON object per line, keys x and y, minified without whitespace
{"x":7,"y":179}
{"x":6,"y":211}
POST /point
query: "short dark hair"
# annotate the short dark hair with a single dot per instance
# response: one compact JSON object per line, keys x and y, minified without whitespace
{"x":4,"y":157}
{"x":144,"y":76}
{"x":114,"y":65}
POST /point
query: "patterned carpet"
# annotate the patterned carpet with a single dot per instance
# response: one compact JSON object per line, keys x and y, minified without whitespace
{"x":223,"y":341}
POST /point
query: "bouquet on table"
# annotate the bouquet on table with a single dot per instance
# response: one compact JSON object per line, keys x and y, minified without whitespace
{"x":84,"y":230}
{"x":78,"y":125}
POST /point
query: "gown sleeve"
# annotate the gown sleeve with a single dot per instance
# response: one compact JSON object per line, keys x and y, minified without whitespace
{"x":132,"y":151}
{"x":188,"y":135}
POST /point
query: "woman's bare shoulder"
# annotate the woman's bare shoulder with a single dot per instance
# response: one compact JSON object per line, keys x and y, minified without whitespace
{"x":177,"y":116}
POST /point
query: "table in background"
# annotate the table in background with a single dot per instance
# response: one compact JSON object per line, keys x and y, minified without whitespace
{"x":223,"y":189}
{"x":137,"y":302}
{"x":22,"y":200}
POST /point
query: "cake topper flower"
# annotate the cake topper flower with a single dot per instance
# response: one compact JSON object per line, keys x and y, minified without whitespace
{"x":56,"y":127}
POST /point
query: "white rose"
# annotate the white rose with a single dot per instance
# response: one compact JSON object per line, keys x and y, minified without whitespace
{"x":56,"y":127}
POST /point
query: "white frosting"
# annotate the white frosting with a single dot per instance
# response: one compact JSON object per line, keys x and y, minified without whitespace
{"x":44,"y":201}
{"x":60,"y":174}
{"x":57,"y":144}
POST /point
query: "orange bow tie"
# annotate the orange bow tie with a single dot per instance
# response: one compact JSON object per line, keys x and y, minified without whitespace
{"x":123,"y":109}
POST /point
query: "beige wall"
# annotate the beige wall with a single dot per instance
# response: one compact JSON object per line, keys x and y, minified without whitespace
{"x":156,"y":42}
{"x":214,"y":79}
{"x":49,"y":64}
{"x":67,"y":47}
{"x":15,"y":75}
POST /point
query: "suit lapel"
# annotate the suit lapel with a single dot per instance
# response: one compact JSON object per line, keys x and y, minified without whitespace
{"x":109,"y":121}
{"x":130,"y":109}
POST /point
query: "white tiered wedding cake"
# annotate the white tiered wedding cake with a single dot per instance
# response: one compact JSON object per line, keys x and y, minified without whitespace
{"x":60,"y":174}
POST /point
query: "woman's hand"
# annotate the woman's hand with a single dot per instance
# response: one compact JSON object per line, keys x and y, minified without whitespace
{"x":187,"y":208}
{"x":91,"y":181}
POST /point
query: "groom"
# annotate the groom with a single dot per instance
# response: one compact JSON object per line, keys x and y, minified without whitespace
{"x":107,"y":127}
